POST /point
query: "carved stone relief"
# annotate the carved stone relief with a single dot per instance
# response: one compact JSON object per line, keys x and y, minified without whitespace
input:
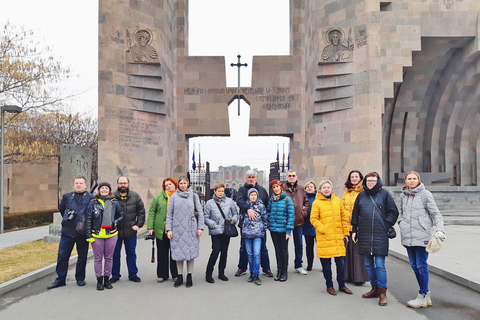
{"x":339,"y":47}
{"x":141,"y":47}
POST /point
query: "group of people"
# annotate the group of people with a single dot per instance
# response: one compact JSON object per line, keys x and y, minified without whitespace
{"x":107,"y":220}
{"x":355,"y":230}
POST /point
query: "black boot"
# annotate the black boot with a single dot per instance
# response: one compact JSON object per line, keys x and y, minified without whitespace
{"x":179,"y":281}
{"x":107,"y":283}
{"x":189,"y":280}
{"x":209,"y":278}
{"x":100,"y":283}
{"x":222,"y":277}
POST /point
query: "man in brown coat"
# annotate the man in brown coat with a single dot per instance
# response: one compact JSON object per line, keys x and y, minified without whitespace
{"x":297,"y":193}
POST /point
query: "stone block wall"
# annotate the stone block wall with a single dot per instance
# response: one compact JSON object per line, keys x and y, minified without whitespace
{"x":138,"y":45}
{"x":31,"y":186}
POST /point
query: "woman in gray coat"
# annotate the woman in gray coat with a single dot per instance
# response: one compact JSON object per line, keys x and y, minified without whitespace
{"x":184,"y":228}
{"x":215,"y":222}
{"x":418,"y":214}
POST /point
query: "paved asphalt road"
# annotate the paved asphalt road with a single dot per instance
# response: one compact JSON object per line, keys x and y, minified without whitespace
{"x":301,"y":297}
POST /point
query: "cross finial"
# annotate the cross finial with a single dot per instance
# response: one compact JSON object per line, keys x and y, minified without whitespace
{"x":239,"y":65}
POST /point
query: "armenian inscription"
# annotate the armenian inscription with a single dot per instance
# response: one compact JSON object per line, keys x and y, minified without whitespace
{"x":361,"y":38}
{"x":270,"y":98}
{"x":139,"y":132}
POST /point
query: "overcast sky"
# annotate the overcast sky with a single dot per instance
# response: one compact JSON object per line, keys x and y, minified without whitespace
{"x":217,"y":28}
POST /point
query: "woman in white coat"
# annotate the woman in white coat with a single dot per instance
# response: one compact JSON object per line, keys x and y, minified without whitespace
{"x":418,"y":215}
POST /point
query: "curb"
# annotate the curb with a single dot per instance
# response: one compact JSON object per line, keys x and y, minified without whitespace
{"x":442,"y":273}
{"x":34,"y":275}
{"x":42,"y":272}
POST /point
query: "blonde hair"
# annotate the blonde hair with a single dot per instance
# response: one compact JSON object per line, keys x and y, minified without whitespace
{"x":219,"y":185}
{"x":323,"y":182}
{"x":311,"y":182}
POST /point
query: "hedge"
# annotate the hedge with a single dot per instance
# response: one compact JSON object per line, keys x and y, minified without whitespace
{"x":28,"y":219}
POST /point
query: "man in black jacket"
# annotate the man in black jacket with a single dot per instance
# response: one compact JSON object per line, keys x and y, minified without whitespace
{"x":241,"y":201}
{"x":134,"y":211}
{"x":73,"y":210}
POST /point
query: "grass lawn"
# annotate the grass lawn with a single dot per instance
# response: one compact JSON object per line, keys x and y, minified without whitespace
{"x":27,"y":257}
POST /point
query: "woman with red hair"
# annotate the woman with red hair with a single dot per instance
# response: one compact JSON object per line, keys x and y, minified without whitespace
{"x":157,"y":216}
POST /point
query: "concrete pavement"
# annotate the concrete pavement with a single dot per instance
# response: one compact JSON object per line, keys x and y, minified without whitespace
{"x":457,"y":261}
{"x":301,"y":296}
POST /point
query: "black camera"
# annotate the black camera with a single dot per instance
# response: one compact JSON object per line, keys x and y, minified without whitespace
{"x":150,"y":236}
{"x":71,"y":214}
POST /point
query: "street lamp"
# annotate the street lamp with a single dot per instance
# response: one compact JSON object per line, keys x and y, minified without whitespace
{"x":11,"y":109}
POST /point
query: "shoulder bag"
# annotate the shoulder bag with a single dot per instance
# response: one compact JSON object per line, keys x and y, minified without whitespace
{"x":391,"y":231}
{"x":229,"y":228}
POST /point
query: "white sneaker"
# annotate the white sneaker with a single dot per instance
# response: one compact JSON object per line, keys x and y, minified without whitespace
{"x":301,"y":271}
{"x":419,"y":302}
{"x":429,"y":300}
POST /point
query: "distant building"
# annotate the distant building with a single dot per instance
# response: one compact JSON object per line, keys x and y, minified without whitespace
{"x":234,"y":176}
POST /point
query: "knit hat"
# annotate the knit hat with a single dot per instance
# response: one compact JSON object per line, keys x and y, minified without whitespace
{"x":105,"y":184}
{"x":252,"y":190}
{"x":274,"y":182}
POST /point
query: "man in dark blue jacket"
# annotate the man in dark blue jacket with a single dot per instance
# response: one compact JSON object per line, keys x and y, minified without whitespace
{"x":73,"y":210}
{"x":241,"y":200}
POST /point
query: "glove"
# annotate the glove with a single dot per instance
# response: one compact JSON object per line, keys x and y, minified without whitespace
{"x":440,"y":235}
{"x":388,"y":225}
{"x":91,"y":240}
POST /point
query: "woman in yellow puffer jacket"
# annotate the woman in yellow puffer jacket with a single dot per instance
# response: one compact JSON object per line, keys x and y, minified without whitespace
{"x":332,"y":230}
{"x":355,"y":270}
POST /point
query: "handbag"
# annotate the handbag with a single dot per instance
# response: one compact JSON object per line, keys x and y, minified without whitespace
{"x":81,"y":226}
{"x":229,"y":228}
{"x":434,"y":245}
{"x":391,"y":231}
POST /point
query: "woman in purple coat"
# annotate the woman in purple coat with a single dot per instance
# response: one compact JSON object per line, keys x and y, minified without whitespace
{"x":184,"y":227}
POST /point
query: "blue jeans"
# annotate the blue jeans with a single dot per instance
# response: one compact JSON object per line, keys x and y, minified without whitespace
{"x":418,"y":260}
{"x":130,"y":245}
{"x":253,"y":247}
{"x":64,"y":251}
{"x":327,"y":271}
{"x":264,"y":260}
{"x":376,"y":270}
{"x":298,"y":246}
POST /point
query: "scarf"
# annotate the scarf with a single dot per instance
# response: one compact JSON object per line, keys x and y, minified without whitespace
{"x":107,"y":210}
{"x":169,"y":194}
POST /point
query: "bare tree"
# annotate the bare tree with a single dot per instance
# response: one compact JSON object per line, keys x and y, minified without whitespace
{"x":35,"y":136}
{"x":28,"y":73}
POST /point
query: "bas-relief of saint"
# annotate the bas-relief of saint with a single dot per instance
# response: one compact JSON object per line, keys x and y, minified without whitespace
{"x":337,"y":51}
{"x":142,"y":51}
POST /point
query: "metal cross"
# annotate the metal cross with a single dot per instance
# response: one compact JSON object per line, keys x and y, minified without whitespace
{"x":238,"y":65}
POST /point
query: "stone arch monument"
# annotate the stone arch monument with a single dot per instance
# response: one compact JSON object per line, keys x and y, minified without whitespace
{"x":368,"y":85}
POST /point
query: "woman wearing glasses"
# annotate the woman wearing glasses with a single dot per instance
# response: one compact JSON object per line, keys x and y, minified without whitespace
{"x":373,"y":214}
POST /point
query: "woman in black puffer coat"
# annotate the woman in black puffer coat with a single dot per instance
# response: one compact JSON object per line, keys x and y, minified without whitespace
{"x":370,"y":224}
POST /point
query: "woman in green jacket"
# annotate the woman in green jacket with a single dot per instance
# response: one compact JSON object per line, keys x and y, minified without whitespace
{"x":156,"y":225}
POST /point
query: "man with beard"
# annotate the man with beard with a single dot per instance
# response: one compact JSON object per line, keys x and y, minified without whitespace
{"x":73,"y":210}
{"x":241,"y":200}
{"x":300,"y":202}
{"x":134,"y":210}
